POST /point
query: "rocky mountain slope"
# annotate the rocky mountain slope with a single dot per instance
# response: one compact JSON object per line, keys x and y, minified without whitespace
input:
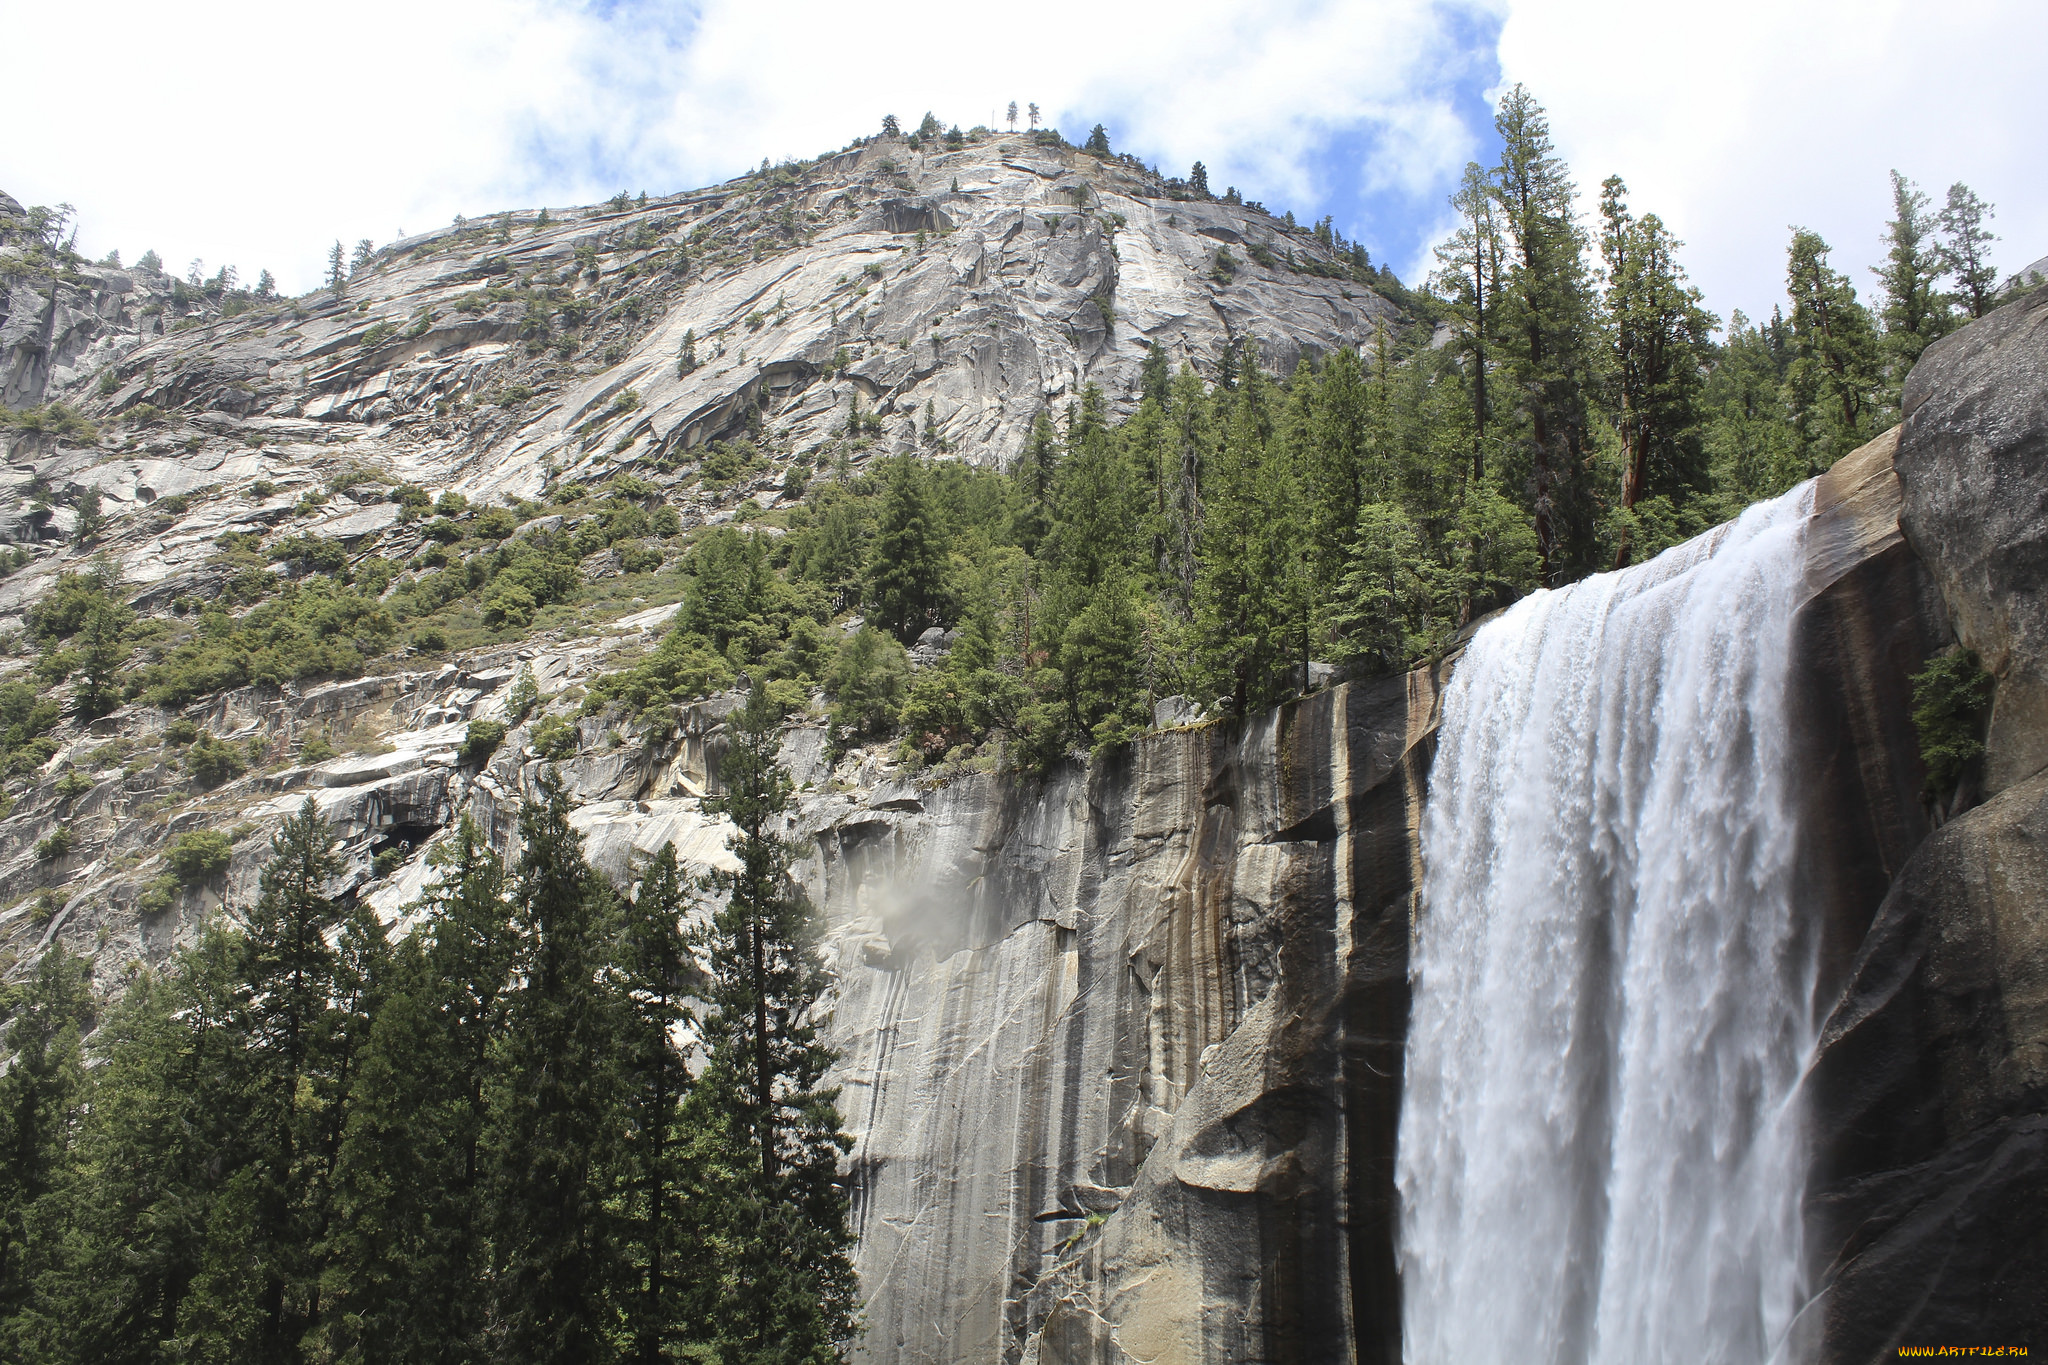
{"x":1121,"y":1044}
{"x":953,"y":294}
{"x":885,"y":298}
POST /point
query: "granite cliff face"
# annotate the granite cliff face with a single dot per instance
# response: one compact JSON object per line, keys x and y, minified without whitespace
{"x":954,"y":294}
{"x":1122,"y":1045}
{"x":1930,"y":1193}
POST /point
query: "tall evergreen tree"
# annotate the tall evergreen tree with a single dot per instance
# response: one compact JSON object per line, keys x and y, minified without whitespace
{"x":1659,"y":336}
{"x":40,"y":1095}
{"x":1915,"y":313}
{"x":1244,"y":608}
{"x":1966,"y":249}
{"x":554,"y":1127}
{"x":1469,"y":278}
{"x":102,"y":649}
{"x":1546,"y":331}
{"x":1834,"y":377}
{"x":906,"y":578}
{"x":1035,"y":471}
{"x":789,"y":1287}
{"x":1155,"y":376}
{"x":655,"y":1178}
{"x":408,"y":1267}
{"x":337,"y":270}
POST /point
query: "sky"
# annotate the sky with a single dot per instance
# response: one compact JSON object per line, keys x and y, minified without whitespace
{"x":257,"y":134}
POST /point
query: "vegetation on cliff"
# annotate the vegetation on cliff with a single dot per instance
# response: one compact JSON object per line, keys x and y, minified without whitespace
{"x":320,"y":1140}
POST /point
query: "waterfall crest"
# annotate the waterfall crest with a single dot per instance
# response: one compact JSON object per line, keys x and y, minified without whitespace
{"x":1600,"y":1155}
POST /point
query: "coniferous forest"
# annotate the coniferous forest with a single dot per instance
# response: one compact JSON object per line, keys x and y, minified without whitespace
{"x":542,"y":1121}
{"x":319,"y":1139}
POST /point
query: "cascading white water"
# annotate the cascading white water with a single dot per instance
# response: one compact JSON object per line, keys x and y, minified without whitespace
{"x":1600,"y":1153}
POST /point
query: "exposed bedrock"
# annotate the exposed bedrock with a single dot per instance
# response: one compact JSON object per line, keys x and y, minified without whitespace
{"x":1124,"y":1048}
{"x":1122,"y":1052}
{"x":1928,"y":1212}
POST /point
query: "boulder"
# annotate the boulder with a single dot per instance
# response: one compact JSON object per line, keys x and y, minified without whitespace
{"x":1972,"y":451}
{"x":1930,"y":1099}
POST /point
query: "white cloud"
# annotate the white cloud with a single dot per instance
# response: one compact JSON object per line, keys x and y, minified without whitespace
{"x":257,"y":134}
{"x":1737,"y":119}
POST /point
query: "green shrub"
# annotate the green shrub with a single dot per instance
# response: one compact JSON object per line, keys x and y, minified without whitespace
{"x":160,"y":895}
{"x":523,"y":697}
{"x":636,"y":557}
{"x":27,"y":715}
{"x":481,"y":740}
{"x":868,"y":683}
{"x":55,"y":844}
{"x":682,"y":668}
{"x":73,"y":784}
{"x":496,"y":523}
{"x":316,"y":749}
{"x":199,"y":855}
{"x":507,"y":603}
{"x":212,"y":761}
{"x":554,"y":738}
{"x":1951,"y":701}
{"x":310,"y":552}
{"x":180,"y":731}
{"x":387,"y":862}
{"x":317,"y":627}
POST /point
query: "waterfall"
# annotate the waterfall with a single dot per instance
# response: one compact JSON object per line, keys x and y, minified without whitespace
{"x":1600,"y":1152}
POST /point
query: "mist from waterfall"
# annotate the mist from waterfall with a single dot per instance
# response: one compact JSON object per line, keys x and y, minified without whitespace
{"x":1600,"y":1149}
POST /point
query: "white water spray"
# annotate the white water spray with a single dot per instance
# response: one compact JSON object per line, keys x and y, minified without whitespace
{"x":1600,"y":1152}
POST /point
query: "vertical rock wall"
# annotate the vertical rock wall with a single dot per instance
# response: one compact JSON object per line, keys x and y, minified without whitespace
{"x":1929,"y":1199}
{"x":1122,"y":1048}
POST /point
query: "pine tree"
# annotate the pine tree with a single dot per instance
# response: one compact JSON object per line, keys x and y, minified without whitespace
{"x":407,"y":1265}
{"x":1244,"y":609}
{"x":40,"y":1094}
{"x":101,"y":652}
{"x":1034,"y":116}
{"x":1748,"y":440}
{"x":1546,"y":332}
{"x":906,"y":577}
{"x":364,"y":250}
{"x":1188,"y":448}
{"x":1098,"y":141}
{"x":1100,"y":503}
{"x":554,"y":1132}
{"x":1011,"y":115}
{"x":289,"y":1037}
{"x":1965,"y":249}
{"x":1034,"y":475}
{"x":655,"y":1178}
{"x":788,"y":1292}
{"x":1659,"y":335}
{"x":337,"y":270}
{"x":1834,"y":377}
{"x":91,"y":521}
{"x":929,"y":127}
{"x":1198,"y":180}
{"x":1469,"y":275}
{"x":890,"y":127}
{"x":1915,"y":312}
{"x":1155,"y":376}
